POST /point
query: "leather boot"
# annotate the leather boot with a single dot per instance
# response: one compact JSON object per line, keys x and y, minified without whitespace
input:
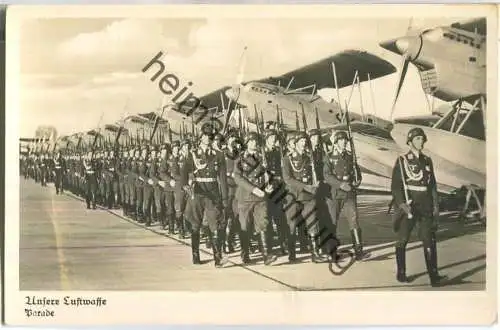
{"x":230,"y":236}
{"x":181,"y":227}
{"x":431,"y":264}
{"x":219,"y":259}
{"x":292,"y":240}
{"x":125,"y":210}
{"x":267,"y":255}
{"x":401,"y":265}
{"x":357,"y":243}
{"x":207,"y":234}
{"x":245,"y":247}
{"x":171,"y":222}
{"x":302,"y":236}
{"x":316,"y":255}
{"x":195,"y":247}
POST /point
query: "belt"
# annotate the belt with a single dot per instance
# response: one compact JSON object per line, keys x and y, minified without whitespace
{"x":205,"y":180}
{"x":417,"y":188}
{"x":90,"y":172}
{"x":111,"y":169}
{"x":58,"y":166}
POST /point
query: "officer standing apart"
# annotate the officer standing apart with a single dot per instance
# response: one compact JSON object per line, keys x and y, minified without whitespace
{"x":414,"y":191}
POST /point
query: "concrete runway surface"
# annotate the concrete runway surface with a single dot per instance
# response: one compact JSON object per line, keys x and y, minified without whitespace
{"x":64,"y":246}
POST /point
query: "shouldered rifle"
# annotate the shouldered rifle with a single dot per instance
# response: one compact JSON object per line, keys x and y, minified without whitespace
{"x":357,"y":174}
{"x":405,"y":186}
{"x":313,"y":165}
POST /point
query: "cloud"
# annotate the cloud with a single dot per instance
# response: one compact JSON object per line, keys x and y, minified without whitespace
{"x":121,"y":46}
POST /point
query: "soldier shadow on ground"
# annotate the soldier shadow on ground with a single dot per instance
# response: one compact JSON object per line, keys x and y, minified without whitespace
{"x":459,"y":279}
{"x":450,"y":227}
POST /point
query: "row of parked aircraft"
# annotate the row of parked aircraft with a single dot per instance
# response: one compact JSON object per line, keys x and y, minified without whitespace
{"x":451,"y":63}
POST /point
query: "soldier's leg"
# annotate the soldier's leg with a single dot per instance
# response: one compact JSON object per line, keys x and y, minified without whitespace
{"x":214,"y":214}
{"x":351,"y":213}
{"x":146,"y":204}
{"x":158,"y":201}
{"x":139,"y":199}
{"x":94,"y":192}
{"x":116,"y":197}
{"x":196,"y":218}
{"x":310,"y":216}
{"x":126,"y":199}
{"x":179,"y":206}
{"x":244,"y":209}
{"x":403,"y":236}
{"x":170,"y":211}
{"x":88,"y":194}
{"x":427,"y":235}
{"x":261,"y":222}
{"x":279,"y":218}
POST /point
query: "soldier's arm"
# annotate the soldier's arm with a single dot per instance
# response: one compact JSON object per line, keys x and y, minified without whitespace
{"x":329,"y":178}
{"x":397,"y":187}
{"x":433,"y":185}
{"x":223,"y":178}
{"x":240,"y":178}
{"x":164,"y":174}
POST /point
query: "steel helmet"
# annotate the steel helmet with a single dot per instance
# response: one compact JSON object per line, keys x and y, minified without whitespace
{"x":340,"y":135}
{"x":414,"y":132}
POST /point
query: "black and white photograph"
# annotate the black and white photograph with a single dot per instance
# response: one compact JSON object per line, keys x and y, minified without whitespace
{"x":266,"y":152}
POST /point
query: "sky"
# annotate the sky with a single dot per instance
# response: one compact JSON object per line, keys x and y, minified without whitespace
{"x":73,"y":71}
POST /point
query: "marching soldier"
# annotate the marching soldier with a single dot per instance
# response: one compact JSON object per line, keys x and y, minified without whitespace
{"x":343,"y":176}
{"x":42,"y":166}
{"x":233,"y":150}
{"x":414,"y":191}
{"x":275,"y":211}
{"x":89,"y":167}
{"x":208,"y":196}
{"x":252,"y":201}
{"x":182,"y":211}
{"x":122,"y":180}
{"x":298,"y":174}
{"x":153,"y":187}
{"x":131,"y":186}
{"x":143,"y":193}
{"x":59,"y":164}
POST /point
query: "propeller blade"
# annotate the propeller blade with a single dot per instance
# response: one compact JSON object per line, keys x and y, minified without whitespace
{"x":402,"y":75}
{"x":241,"y":71}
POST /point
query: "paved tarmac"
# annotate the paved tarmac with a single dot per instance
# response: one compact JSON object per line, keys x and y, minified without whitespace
{"x":64,"y":246}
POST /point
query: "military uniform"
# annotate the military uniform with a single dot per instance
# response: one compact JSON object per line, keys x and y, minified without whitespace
{"x":89,"y":166}
{"x":208,"y":197}
{"x":275,"y":211}
{"x":252,"y":208}
{"x":340,"y":175}
{"x":414,"y":171}
{"x":298,"y":175}
{"x":232,"y":222}
{"x":59,"y":165}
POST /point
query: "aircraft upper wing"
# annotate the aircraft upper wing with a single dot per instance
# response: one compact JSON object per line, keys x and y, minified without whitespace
{"x":476,"y":25}
{"x":207,"y":101}
{"x":346,"y":64}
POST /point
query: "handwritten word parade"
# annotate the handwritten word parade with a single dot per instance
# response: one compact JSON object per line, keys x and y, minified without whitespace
{"x":45,"y":306}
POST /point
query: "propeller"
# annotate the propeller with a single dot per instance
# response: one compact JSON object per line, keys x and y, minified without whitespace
{"x":409,"y":47}
{"x":233,"y":93}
